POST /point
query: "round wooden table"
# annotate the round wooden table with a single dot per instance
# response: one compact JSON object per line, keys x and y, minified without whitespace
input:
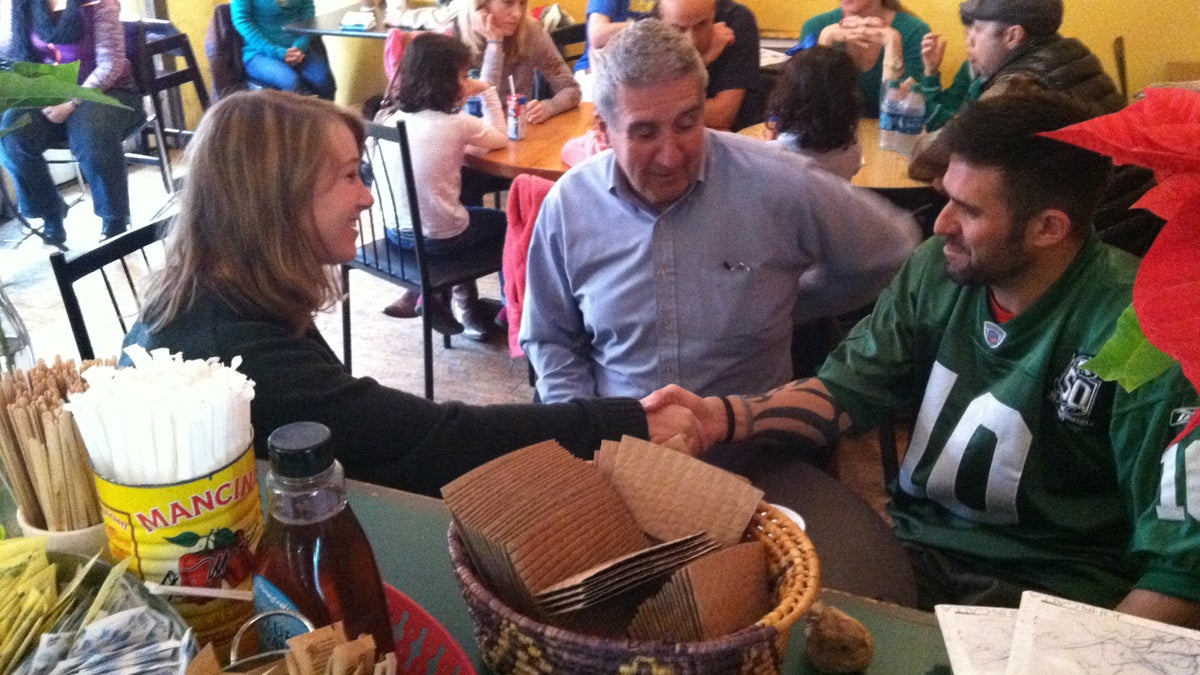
{"x":882,"y":169}
{"x":540,"y":152}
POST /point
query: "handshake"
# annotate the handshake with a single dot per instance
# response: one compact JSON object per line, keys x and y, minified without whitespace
{"x":801,"y":413}
{"x":677,"y":417}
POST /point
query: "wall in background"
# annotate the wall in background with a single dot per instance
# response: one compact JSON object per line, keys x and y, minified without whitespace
{"x":1155,"y":34}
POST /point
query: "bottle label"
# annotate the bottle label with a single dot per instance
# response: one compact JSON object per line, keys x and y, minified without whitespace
{"x":888,"y":120}
{"x":274,"y":631}
{"x":910,"y":124}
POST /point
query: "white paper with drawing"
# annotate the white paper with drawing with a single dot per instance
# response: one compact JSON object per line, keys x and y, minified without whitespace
{"x":1059,"y":636}
{"x":977,"y":638}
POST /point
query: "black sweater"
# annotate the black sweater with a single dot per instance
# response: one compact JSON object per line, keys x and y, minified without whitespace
{"x":383,"y":435}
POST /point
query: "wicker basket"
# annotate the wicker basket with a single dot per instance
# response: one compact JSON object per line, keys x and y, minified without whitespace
{"x":514,"y":643}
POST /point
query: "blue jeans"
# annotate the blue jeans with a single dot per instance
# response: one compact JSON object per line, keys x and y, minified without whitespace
{"x":94,"y":134}
{"x":485,"y":227}
{"x":311,"y":77}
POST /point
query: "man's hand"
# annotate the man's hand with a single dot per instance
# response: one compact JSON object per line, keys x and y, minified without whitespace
{"x":293,"y":56}
{"x":536,"y":113}
{"x":670,"y":424}
{"x":933,"y":50}
{"x":722,"y":37}
{"x":709,"y":412}
{"x":59,"y":113}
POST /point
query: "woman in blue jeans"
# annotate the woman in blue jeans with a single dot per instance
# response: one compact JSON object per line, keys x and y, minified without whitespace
{"x":91,"y":33}
{"x":279,"y":58}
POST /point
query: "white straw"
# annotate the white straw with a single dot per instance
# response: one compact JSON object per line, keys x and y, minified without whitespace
{"x":512,"y":87}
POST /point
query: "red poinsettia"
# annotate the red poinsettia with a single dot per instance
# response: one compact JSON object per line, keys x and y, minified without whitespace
{"x":1161,"y":132}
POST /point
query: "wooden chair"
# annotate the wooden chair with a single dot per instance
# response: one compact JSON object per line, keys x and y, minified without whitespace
{"x":410,"y":269}
{"x":570,"y":41}
{"x":121,"y":285}
{"x":1122,"y":74}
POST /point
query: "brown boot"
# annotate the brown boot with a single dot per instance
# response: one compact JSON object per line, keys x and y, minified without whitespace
{"x":405,"y":307}
{"x":473,"y":314}
{"x":440,"y":317}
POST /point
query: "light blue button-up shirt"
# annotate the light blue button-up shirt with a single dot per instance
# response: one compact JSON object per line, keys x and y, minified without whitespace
{"x":621,"y":300}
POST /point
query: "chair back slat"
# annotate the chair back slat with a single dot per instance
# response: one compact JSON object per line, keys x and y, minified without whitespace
{"x":410,"y":268}
{"x":68,"y":270}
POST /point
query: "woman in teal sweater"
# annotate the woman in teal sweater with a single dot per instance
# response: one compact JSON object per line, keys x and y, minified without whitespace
{"x":863,"y":28}
{"x":279,"y":58}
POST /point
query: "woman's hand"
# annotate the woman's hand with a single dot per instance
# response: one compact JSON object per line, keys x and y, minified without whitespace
{"x":484,"y":24}
{"x":709,"y":412}
{"x":293,"y":56}
{"x":59,"y":113}
{"x":536,"y":112}
{"x":676,"y":425}
{"x":933,"y":50}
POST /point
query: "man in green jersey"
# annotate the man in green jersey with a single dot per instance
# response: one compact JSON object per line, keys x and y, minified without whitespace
{"x":1024,"y":470}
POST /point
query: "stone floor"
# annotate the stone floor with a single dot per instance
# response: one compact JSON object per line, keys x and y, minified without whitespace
{"x":385,"y":348}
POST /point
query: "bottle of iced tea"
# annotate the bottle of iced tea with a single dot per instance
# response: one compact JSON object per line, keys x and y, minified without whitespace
{"x":314,"y":557}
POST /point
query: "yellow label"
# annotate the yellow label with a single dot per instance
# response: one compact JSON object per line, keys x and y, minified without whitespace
{"x":201,"y":532}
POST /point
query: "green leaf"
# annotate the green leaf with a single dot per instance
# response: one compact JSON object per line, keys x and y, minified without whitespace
{"x":30,"y":85}
{"x":185,"y":539}
{"x":223,"y":538}
{"x":1128,"y":358}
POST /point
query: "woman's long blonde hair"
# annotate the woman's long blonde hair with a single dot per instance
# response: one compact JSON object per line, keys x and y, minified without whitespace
{"x":245,"y":229}
{"x":516,"y":46}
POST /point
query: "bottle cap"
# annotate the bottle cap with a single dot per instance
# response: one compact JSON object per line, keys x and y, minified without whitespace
{"x":300,"y":449}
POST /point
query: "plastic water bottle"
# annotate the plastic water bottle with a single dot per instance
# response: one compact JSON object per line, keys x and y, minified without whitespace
{"x":474,"y":103}
{"x":889,"y":116}
{"x":912,"y":120}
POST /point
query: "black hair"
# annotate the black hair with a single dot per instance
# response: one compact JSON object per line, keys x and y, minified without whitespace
{"x":429,"y":73}
{"x":817,"y":99}
{"x":1038,"y":173}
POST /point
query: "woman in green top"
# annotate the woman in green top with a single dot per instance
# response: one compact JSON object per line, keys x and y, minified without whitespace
{"x":863,"y":28}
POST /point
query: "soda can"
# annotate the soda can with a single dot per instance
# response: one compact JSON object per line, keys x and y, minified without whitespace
{"x":516,"y":116}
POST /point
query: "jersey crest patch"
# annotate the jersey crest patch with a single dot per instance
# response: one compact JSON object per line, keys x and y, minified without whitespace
{"x":1181,"y":416}
{"x":993,"y":334}
{"x":1076,"y":391}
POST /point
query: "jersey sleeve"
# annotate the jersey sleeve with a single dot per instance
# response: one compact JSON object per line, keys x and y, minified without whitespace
{"x":873,"y":372}
{"x":1162,"y":479}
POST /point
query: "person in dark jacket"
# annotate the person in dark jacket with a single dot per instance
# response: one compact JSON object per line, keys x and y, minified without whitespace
{"x":1013,"y":46}
{"x":270,"y":208}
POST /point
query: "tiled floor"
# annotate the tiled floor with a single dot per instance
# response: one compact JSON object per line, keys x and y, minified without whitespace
{"x":385,"y":348}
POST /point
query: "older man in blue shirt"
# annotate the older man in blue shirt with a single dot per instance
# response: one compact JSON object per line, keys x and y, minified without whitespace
{"x":675,"y":257}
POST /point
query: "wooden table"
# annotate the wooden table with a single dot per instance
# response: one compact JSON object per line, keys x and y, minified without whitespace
{"x":882,"y":169}
{"x":408,"y":533}
{"x":540,"y":152}
{"x":330,"y":24}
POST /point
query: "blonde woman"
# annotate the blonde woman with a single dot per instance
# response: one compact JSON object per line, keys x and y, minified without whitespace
{"x":864,"y":28}
{"x":506,"y":42}
{"x":269,"y":210}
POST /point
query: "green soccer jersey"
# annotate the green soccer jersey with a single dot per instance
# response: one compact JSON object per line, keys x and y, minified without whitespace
{"x":1021,"y":460}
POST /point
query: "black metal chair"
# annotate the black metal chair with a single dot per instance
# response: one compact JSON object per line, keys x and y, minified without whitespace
{"x":121,"y":285}
{"x":155,"y":44}
{"x":411,"y":269}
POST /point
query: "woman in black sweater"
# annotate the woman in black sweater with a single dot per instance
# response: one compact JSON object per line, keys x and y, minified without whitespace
{"x":269,"y":209}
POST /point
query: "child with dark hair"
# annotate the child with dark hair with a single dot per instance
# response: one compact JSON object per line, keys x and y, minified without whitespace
{"x":815,"y":109}
{"x":433,"y":87}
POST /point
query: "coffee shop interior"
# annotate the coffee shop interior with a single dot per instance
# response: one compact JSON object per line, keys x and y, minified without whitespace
{"x":1138,"y":46}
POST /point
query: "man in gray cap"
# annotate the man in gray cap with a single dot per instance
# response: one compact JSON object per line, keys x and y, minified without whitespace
{"x":1013,"y":46}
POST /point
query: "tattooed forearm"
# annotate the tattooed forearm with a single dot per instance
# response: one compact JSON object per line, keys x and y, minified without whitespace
{"x":801,"y":412}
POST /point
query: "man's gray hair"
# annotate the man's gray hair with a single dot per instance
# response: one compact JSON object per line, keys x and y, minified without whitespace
{"x":647,"y":53}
